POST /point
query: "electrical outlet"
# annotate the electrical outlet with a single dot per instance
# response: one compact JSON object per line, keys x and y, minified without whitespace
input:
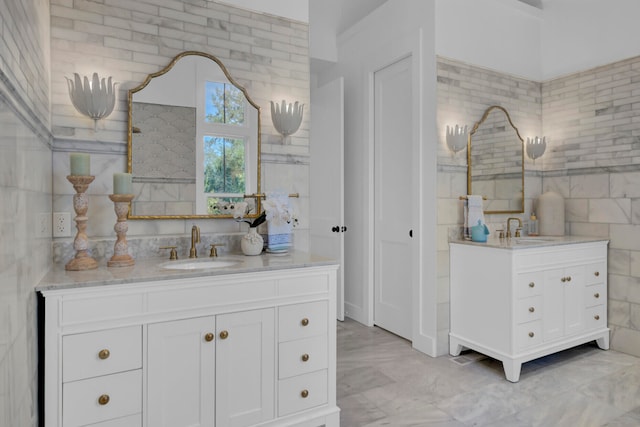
{"x":61,"y":224}
{"x":43,"y":227}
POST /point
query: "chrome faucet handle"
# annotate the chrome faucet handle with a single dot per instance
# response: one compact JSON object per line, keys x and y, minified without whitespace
{"x":173,"y":255}
{"x":214,"y":249}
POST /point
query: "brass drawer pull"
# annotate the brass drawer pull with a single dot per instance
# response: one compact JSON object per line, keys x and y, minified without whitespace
{"x":597,"y":317}
{"x":596,"y":295}
{"x":531,"y":334}
{"x":224,"y":335}
{"x":209,"y":337}
{"x":568,"y":278}
{"x":104,"y":354}
{"x":564,"y":279}
{"x":305,"y":357}
{"x":104,"y":399}
{"x":531,"y":309}
{"x":304,"y":394}
{"x":304,"y":322}
{"x":597,"y":274}
{"x":532,"y":285}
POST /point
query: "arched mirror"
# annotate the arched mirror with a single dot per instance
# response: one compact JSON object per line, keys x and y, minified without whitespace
{"x":193,"y":141}
{"x":495,"y":159}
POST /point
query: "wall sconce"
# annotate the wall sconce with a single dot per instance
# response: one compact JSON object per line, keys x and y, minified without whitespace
{"x":95,"y":99}
{"x":536,"y":147}
{"x":286,"y":118}
{"x":457,"y":138}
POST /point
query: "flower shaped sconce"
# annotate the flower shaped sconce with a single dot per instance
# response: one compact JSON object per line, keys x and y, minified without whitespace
{"x":535,"y":147}
{"x":286,"y":118}
{"x":94,"y":98}
{"x":457,"y":138}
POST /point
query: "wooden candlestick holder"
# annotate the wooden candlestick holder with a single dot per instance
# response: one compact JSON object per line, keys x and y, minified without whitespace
{"x":82,"y":260}
{"x":121,"y":257}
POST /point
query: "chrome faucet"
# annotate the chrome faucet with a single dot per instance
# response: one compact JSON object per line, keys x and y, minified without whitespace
{"x":195,"y":238}
{"x":509,"y":227}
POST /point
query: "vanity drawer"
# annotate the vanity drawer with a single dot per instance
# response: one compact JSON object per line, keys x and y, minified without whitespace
{"x":528,"y":309}
{"x":129,"y":421}
{"x":99,"y":353}
{"x":528,"y":334}
{"x":595,"y":295}
{"x":596,"y":273}
{"x":302,"y":356}
{"x":302,"y":392}
{"x":302,"y":320}
{"x":101,"y":398}
{"x":596,"y":317}
{"x":529,"y":284}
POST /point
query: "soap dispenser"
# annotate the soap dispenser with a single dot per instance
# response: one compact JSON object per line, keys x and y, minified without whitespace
{"x":533,"y":224}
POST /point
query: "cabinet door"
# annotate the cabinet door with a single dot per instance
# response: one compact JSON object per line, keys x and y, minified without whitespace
{"x":563,"y":301}
{"x":245,"y":368}
{"x":181,"y":373}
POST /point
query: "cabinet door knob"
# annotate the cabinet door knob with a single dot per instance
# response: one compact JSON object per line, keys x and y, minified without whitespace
{"x":224,"y":335}
{"x":104,"y":354}
{"x":596,"y":295}
{"x":209,"y":337}
{"x":104,"y":399}
{"x":597,"y":274}
{"x":532,"y":285}
{"x":597,"y":317}
{"x":531,"y":334}
{"x":531,"y":309}
{"x":304,"y":394}
{"x":564,"y":279}
{"x":304,"y":322}
{"x":305,"y":357}
{"x":568,"y":278}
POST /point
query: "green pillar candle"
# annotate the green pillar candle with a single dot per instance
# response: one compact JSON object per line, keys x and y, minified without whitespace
{"x":122,"y":183}
{"x":80,"y":164}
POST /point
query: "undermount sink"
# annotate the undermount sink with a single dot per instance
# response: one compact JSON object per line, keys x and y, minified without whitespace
{"x":532,"y":240}
{"x":204,"y":264}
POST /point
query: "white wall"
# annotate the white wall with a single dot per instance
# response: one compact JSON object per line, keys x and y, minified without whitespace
{"x":581,"y":34}
{"x":502,"y":35}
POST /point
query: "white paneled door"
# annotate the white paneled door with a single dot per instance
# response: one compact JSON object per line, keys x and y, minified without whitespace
{"x":394,"y":197}
{"x":327,"y":227}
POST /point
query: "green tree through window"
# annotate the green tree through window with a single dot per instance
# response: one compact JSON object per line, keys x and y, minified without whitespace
{"x":224,"y":103}
{"x":223,"y":165}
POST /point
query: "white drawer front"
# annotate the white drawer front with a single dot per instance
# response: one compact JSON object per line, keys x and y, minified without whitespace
{"x":528,"y":309}
{"x":529,"y":284}
{"x":528,"y":334}
{"x":81,"y":403}
{"x":302,"y":356}
{"x":302,"y":320}
{"x":596,"y":273}
{"x":302,"y":392}
{"x":595,"y":295}
{"x":99,"y":353}
{"x":129,"y":421}
{"x":596,"y":317}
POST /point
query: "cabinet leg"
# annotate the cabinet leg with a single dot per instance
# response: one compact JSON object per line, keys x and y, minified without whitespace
{"x":512,"y":370}
{"x":603,"y":342}
{"x":454,"y":348}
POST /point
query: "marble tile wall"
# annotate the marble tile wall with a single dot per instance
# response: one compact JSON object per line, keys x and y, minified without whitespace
{"x":25,"y":200}
{"x":464,"y":93}
{"x":592,"y":121}
{"x":128,"y":40}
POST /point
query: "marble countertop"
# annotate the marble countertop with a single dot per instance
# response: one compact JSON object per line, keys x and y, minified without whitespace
{"x":529,"y":242}
{"x":149,"y":269}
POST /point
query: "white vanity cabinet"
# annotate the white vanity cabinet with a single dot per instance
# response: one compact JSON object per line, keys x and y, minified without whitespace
{"x":242,"y":349}
{"x":516,"y":304}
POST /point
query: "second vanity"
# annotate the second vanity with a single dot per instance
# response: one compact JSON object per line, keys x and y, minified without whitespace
{"x":249,"y":342}
{"x":520,"y":299}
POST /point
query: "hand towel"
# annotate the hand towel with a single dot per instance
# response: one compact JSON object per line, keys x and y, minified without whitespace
{"x":279,"y":222}
{"x":475,"y":214}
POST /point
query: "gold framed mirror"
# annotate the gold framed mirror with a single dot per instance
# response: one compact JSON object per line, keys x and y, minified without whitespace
{"x":495,"y":162}
{"x":193,"y":142}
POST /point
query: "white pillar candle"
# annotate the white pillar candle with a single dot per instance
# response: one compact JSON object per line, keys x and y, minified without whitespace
{"x":80,"y":164}
{"x":122,"y":183}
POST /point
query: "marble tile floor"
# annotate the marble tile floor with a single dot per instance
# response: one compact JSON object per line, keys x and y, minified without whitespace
{"x":382,"y":381}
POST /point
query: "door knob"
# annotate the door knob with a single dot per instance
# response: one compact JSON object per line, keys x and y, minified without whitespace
{"x":335,"y":229}
{"x":343,"y":229}
{"x":411,"y":233}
